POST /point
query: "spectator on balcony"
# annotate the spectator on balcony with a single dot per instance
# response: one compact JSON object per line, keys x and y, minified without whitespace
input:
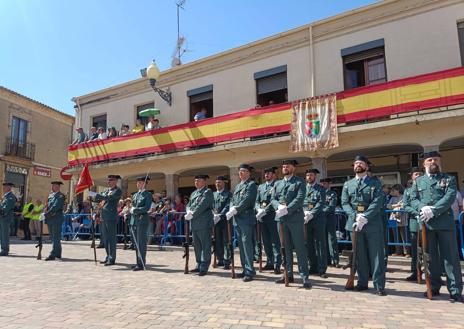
{"x":200,"y":115}
{"x":93,"y":135}
{"x":101,"y":133}
{"x":80,"y":137}
{"x":139,"y":127}
{"x":153,"y":124}
{"x":112,"y":132}
{"x":124,"y":130}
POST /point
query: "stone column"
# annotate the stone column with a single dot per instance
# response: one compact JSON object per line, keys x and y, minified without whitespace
{"x":234,"y":179}
{"x":321,"y":165}
{"x":172,"y":184}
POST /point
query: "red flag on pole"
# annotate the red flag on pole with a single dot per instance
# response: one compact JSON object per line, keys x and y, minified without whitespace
{"x":85,"y":180}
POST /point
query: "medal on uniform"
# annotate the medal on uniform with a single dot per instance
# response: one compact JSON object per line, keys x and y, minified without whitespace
{"x":360,"y":208}
{"x":310,"y":206}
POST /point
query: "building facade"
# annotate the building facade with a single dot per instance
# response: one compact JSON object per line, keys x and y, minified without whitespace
{"x":402,"y":57}
{"x":33,"y":142}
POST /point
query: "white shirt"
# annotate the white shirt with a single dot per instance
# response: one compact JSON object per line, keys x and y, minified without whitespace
{"x":288,"y":178}
{"x":102,"y":136}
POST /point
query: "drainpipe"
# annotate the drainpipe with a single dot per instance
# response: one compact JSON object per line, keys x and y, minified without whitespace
{"x":311,"y":59}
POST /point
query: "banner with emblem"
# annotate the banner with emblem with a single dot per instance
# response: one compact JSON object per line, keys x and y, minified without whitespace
{"x":314,"y":124}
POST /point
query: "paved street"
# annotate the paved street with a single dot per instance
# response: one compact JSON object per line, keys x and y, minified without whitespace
{"x":74,"y":293}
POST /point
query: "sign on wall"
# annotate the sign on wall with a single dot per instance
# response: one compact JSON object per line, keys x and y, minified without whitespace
{"x":42,"y":171}
{"x":16,"y":169}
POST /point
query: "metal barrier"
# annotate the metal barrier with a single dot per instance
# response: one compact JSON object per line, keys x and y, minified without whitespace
{"x":460,"y":232}
{"x":76,"y":225}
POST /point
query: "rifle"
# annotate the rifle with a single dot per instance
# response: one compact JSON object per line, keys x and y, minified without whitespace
{"x":93,"y":234}
{"x":352,"y":262}
{"x":186,"y":247}
{"x":213,"y":243}
{"x":260,"y":246}
{"x":426,"y":260}
{"x":282,"y":251}
{"x":420,"y":255}
{"x":231,"y":248}
{"x":125,"y":232}
{"x":39,"y":244}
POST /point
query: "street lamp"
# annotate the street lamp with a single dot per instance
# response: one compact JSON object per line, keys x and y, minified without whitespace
{"x":152,"y":72}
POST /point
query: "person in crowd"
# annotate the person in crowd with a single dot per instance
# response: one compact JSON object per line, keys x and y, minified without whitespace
{"x":101,"y":133}
{"x":200,"y":115}
{"x":93,"y":134}
{"x":35,"y":217}
{"x":112,"y":132}
{"x":16,"y":218}
{"x":432,"y":196}
{"x":124,"y":130}
{"x":26,"y":220}
{"x":156,"y":218}
{"x":139,"y":127}
{"x":80,"y":137}
{"x":125,"y":214}
{"x":401,"y":219}
{"x":153,"y":124}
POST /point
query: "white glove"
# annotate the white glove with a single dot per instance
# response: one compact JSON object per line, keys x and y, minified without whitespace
{"x":231,"y":213}
{"x":281,"y":211}
{"x":308,"y":216}
{"x":216,"y":218}
{"x":260,"y":215}
{"x":426,"y":213}
{"x":188,"y":215}
{"x":42,"y":217}
{"x":360,"y":222}
{"x":132,"y":210}
{"x":92,"y":194}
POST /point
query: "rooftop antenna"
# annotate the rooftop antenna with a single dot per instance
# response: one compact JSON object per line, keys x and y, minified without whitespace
{"x":180,"y":39}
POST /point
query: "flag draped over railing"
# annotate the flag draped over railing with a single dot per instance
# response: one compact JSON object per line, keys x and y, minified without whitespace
{"x":85,"y":180}
{"x":314,"y":124}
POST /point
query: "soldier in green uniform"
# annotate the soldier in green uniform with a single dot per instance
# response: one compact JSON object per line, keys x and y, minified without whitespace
{"x":7,"y":205}
{"x":109,"y":217}
{"x":287,"y":199}
{"x":266,"y":217}
{"x":243,"y":211}
{"x":362,"y":202}
{"x":200,"y":213}
{"x":54,"y":219}
{"x":331,"y":222}
{"x":432,"y":196}
{"x":315,"y":224}
{"x":221,"y":207}
{"x":141,"y":202}
{"x":413,"y":222}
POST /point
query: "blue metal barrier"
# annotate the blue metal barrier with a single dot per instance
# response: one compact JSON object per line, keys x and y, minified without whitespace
{"x":83,"y":227}
{"x":461,"y":235}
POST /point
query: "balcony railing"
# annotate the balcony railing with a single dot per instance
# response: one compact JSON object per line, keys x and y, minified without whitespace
{"x":20,"y":149}
{"x":432,"y":90}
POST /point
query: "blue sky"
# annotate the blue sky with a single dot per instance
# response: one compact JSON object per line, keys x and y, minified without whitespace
{"x":53,"y":50}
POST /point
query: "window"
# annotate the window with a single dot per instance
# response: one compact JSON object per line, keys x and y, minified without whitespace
{"x":144,"y":107}
{"x":201,"y":99}
{"x":461,"y":40}
{"x":364,"y":65}
{"x":271,"y":86}
{"x":19,"y":130}
{"x":99,"y":121}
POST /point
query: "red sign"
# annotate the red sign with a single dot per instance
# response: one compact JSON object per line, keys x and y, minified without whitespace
{"x":42,"y":171}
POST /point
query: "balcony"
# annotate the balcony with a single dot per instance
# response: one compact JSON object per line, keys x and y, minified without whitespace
{"x":356,"y":106}
{"x":16,"y":148}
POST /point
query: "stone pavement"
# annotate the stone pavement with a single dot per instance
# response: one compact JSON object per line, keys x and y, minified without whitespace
{"x":74,"y":293}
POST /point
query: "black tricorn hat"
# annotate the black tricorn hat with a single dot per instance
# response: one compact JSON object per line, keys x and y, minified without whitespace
{"x":270,"y":169}
{"x":326,"y":180}
{"x":289,"y":162}
{"x":245,"y":166}
{"x":363,"y":159}
{"x":431,"y":154}
{"x":201,"y":176}
{"x":56,"y":182}
{"x":142,"y":179}
{"x":312,"y":170}
{"x":415,"y":169}
{"x":223,"y":178}
{"x":114,"y":177}
{"x":7,"y":184}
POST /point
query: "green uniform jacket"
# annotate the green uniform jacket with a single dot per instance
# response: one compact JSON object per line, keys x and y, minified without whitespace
{"x":413,"y":213}
{"x":315,"y":199}
{"x":292,"y":193}
{"x":243,"y":200}
{"x":330,"y":202}
{"x":201,"y":203}
{"x":367,"y":200}
{"x":263,"y":200}
{"x":221,"y":203}
{"x":141,"y":203}
{"x":111,"y":198}
{"x":55,"y":206}
{"x":439,"y":192}
{"x":7,"y":206}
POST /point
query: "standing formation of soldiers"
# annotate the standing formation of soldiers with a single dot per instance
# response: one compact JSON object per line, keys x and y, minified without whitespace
{"x":293,"y":215}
